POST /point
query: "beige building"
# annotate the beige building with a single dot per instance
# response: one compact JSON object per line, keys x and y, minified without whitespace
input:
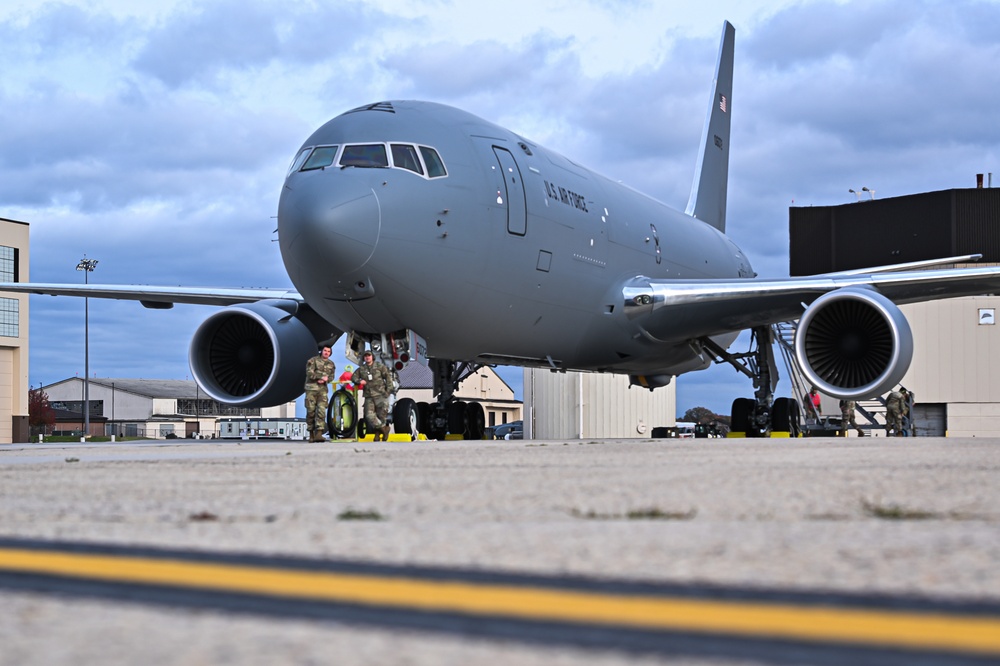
{"x":151,"y":407}
{"x":13,"y":334}
{"x":579,"y":405}
{"x":955,"y":374}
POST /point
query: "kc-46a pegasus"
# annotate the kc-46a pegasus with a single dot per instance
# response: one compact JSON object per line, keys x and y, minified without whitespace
{"x":429,"y":235}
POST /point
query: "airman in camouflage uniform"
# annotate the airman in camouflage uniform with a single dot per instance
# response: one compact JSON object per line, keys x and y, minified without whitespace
{"x":906,"y":399}
{"x":375,"y":381}
{"x":319,"y":371}
{"x":847,"y":417}
{"x":894,"y":414}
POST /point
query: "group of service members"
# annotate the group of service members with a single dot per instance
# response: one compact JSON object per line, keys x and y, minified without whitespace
{"x":897,"y":412}
{"x":374,"y":379}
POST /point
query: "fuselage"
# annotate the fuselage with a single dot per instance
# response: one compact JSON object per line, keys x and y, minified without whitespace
{"x":417,"y":216}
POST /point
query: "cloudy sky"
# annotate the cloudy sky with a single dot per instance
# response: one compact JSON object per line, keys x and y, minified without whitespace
{"x":155,"y":139}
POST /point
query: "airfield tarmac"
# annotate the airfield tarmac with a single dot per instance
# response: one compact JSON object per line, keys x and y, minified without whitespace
{"x":905,"y":520}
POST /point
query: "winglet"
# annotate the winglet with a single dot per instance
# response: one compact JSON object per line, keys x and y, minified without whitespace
{"x":708,"y":192}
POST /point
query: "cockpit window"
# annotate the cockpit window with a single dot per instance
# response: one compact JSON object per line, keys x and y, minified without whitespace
{"x":321,"y":157}
{"x":370,"y":156}
{"x":435,"y":167}
{"x":421,"y":160}
{"x":299,"y":159}
{"x":404,"y":156}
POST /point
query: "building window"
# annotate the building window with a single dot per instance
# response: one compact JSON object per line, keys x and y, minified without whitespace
{"x":208,"y":407}
{"x":10,"y":315}
{"x":8,"y":264}
{"x":96,"y":406}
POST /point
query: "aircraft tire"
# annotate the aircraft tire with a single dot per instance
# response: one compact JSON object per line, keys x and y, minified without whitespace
{"x":341,"y":414}
{"x":458,"y":423}
{"x":741,"y":413}
{"x":423,"y":417}
{"x":476,"y":419}
{"x":796,"y":414}
{"x":405,"y":418}
{"x":781,"y":415}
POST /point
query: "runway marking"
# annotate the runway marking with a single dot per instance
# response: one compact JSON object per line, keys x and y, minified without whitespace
{"x":884,"y":628}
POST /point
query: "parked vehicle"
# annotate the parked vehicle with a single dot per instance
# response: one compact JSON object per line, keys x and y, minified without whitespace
{"x":512,"y":430}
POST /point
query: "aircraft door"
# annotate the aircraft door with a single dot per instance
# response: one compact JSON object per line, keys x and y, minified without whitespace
{"x":513,"y":193}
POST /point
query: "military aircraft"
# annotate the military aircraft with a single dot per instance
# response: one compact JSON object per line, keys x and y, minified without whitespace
{"x":430,"y":235}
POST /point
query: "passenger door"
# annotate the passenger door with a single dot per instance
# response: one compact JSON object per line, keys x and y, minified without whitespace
{"x":510,"y":194}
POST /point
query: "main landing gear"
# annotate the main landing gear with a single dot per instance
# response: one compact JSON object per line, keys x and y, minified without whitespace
{"x":437,"y":420}
{"x":763,"y":415}
{"x":449,"y":415}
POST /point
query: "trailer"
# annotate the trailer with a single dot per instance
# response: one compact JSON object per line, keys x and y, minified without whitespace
{"x":262,"y":428}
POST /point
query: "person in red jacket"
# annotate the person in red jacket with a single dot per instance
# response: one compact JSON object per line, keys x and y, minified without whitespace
{"x":812,"y":404}
{"x":346,"y":378}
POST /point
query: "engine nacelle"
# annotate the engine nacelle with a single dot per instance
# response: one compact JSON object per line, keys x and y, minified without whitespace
{"x":649,"y":381}
{"x":252,"y":355}
{"x":854,"y":343}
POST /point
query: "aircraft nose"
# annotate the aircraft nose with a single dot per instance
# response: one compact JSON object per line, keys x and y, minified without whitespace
{"x":325,"y":229}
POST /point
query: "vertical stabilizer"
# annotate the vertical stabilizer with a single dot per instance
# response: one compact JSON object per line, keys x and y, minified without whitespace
{"x":708,"y":192}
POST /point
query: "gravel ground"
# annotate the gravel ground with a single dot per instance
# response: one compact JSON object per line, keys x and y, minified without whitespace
{"x":914,"y":516}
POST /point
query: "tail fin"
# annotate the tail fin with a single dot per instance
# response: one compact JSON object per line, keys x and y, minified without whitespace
{"x":708,"y":192}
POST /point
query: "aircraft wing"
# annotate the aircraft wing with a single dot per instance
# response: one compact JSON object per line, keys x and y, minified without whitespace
{"x":154,"y":296}
{"x":678,"y":309}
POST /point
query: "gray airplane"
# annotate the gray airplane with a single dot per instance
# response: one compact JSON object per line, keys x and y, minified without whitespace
{"x":429,"y":235}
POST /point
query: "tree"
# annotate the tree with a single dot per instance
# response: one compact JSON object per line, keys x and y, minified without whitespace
{"x":699,"y":415}
{"x":41,"y":416}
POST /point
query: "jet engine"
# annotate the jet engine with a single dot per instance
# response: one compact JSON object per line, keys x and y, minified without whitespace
{"x":252,"y":355}
{"x":853,"y":343}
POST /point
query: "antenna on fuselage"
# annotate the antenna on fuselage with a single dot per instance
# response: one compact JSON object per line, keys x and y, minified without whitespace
{"x":711,"y":179}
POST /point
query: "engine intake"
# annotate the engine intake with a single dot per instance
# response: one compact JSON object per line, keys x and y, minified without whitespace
{"x":252,"y":355}
{"x":853,"y":343}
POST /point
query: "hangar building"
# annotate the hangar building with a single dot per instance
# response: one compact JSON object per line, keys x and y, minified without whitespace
{"x":956,"y":361}
{"x":149,"y":407}
{"x":579,"y":405}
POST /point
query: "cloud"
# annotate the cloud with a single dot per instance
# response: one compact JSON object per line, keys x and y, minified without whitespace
{"x":879,"y":76}
{"x":53,"y":30}
{"x":221,"y":38}
{"x":491,"y":68}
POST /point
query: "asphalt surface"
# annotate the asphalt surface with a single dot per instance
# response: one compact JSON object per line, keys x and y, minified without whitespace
{"x":911,"y":523}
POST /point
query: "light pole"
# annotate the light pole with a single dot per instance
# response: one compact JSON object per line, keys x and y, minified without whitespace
{"x":87,"y":266}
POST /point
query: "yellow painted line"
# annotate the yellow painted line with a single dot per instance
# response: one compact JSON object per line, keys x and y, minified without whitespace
{"x":901,"y":629}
